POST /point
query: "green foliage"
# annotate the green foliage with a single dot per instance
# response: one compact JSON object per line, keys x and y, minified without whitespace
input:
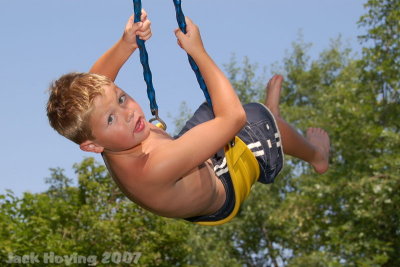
{"x":381,"y":59}
{"x":382,"y":51}
{"x":248,"y":86}
{"x":185,"y":113}
{"x":91,"y":219}
{"x":348,"y":216}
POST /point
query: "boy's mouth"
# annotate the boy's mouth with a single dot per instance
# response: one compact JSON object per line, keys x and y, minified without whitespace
{"x":139,"y":125}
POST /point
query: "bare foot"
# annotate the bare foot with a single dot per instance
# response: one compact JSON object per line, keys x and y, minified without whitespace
{"x":320,"y":140}
{"x":273,"y":94}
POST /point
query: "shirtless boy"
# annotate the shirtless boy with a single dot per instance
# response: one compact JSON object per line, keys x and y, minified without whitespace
{"x":172,"y":177}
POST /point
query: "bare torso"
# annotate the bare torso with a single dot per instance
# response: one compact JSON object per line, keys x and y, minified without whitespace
{"x":196,"y":192}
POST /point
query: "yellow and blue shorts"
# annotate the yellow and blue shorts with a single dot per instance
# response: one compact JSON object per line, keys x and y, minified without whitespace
{"x":261,"y":160}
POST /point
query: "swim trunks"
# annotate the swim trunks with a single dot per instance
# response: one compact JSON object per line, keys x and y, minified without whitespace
{"x":262,"y":137}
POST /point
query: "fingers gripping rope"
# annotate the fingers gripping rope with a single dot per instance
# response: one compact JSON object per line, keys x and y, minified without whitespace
{"x":144,"y":59}
{"x":180,"y":18}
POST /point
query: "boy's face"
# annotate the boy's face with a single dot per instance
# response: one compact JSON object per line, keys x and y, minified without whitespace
{"x":117,"y":121}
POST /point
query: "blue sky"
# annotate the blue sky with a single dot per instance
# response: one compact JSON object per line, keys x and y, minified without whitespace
{"x":41,"y":40}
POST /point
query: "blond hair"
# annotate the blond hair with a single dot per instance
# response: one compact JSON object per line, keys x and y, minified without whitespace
{"x":71,"y":102}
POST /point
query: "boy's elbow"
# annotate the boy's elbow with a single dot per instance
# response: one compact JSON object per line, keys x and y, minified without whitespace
{"x":235,"y":119}
{"x":241,"y":118}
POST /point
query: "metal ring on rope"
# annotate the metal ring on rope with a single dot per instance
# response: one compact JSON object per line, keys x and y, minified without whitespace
{"x":144,"y":59}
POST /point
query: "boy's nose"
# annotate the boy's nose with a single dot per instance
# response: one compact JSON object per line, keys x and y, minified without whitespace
{"x":129,"y":115}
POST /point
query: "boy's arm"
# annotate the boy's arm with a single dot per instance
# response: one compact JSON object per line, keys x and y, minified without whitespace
{"x":113,"y":59}
{"x":226,"y":104}
{"x":197,"y":145}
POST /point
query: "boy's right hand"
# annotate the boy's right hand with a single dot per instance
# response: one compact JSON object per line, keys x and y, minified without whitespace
{"x":191,"y":41}
{"x":141,"y":29}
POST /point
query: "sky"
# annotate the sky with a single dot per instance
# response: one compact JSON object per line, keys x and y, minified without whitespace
{"x":43,"y":39}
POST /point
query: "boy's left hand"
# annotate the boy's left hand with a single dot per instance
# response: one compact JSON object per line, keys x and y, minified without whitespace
{"x":141,"y":29}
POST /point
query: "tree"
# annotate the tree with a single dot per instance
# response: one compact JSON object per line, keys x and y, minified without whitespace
{"x":349,"y":216}
{"x":92,"y":219}
{"x":248,"y":86}
{"x":382,"y":51}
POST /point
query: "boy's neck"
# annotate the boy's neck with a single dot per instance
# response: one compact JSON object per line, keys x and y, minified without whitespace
{"x":139,"y":150}
{"x":134,"y":151}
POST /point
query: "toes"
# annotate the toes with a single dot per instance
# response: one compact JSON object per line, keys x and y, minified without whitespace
{"x":275,"y":81}
{"x":268,"y":84}
{"x":322,"y":131}
{"x":278,"y":78}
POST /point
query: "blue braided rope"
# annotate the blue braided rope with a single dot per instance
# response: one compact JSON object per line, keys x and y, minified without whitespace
{"x":144,"y":59}
{"x":180,"y":18}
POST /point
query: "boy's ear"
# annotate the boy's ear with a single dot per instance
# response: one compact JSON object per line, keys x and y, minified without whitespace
{"x":90,"y":146}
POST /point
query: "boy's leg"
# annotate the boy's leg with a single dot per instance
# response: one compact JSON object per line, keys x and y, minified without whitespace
{"x":313,"y":149}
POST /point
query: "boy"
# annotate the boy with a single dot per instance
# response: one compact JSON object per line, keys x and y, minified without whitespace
{"x":185,"y":177}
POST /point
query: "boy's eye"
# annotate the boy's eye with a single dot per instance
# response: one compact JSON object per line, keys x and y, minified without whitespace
{"x":121,"y":100}
{"x":110,"y":119}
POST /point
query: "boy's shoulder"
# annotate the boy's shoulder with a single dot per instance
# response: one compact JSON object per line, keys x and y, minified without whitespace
{"x":153,"y":176}
{"x":133,"y":170}
{"x":135,"y":162}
